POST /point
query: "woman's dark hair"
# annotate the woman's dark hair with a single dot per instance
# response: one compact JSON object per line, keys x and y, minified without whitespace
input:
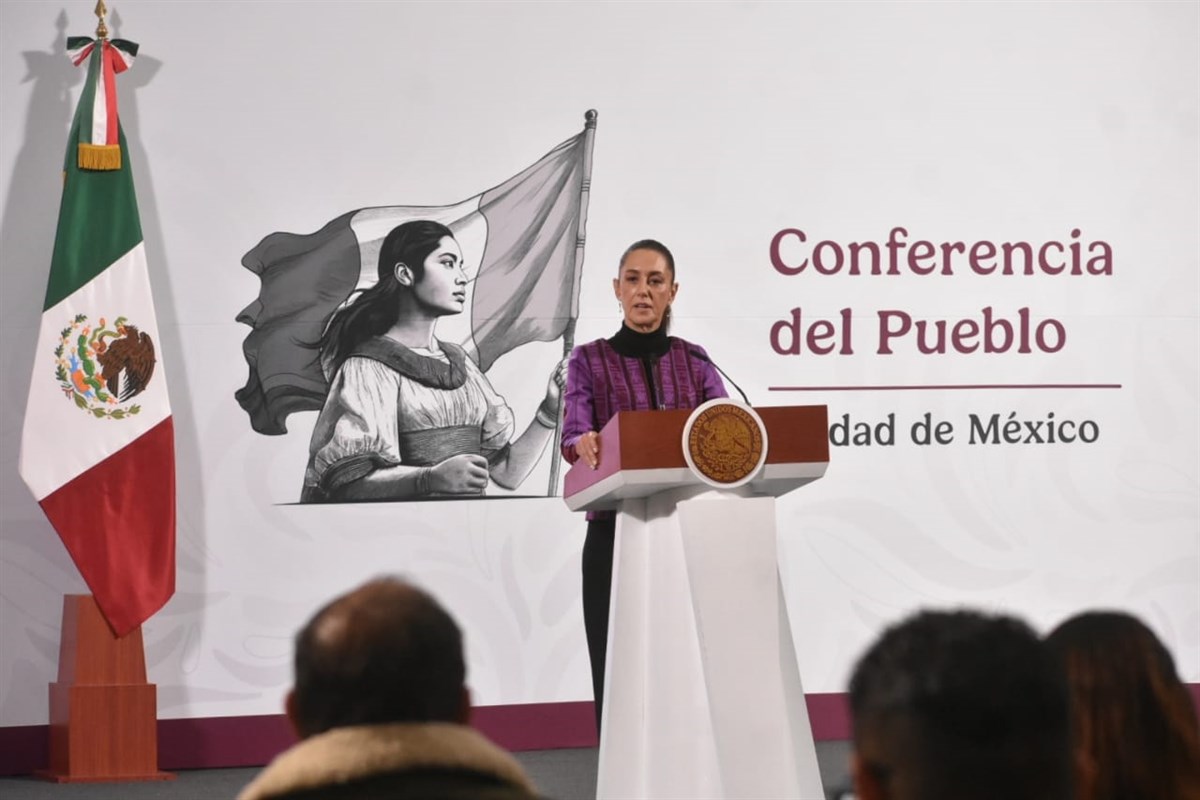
{"x":1132,"y":718}
{"x":655,"y":246}
{"x":374,"y":311}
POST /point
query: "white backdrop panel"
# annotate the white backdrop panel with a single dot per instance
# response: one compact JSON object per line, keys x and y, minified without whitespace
{"x":720,"y":124}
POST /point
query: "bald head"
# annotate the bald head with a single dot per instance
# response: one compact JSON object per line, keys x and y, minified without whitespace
{"x":385,"y":652}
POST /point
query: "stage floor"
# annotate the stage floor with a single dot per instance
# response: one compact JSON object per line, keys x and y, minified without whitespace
{"x":563,"y":774}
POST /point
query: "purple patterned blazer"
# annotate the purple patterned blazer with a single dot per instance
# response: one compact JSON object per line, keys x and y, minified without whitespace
{"x":601,"y":382}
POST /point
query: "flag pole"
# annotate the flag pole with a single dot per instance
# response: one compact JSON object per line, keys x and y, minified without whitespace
{"x":585,"y":191}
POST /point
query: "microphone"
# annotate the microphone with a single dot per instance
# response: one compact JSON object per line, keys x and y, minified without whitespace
{"x":704,"y":357}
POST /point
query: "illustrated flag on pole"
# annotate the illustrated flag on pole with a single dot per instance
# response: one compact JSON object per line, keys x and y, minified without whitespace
{"x":98,"y":449}
{"x":525,"y":236}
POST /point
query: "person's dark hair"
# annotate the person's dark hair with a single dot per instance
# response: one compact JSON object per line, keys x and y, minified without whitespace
{"x":385,"y":652}
{"x":376,"y":309}
{"x":652,"y":245}
{"x":962,"y":705}
{"x":1133,"y":720}
{"x":655,"y":246}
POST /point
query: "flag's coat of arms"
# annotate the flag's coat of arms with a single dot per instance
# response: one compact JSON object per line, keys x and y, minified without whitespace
{"x":102,"y":368}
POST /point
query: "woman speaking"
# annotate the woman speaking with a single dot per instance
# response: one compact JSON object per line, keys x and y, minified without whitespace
{"x":638,"y":369}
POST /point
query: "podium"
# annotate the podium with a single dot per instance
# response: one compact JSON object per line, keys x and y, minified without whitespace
{"x":703,"y":697}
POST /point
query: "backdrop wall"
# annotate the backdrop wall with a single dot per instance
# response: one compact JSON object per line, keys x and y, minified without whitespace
{"x":743,"y":135}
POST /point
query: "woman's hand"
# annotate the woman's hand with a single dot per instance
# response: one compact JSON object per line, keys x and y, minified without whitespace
{"x":465,"y":474}
{"x":588,"y":448}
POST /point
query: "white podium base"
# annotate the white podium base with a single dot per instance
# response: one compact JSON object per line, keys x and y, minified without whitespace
{"x":702,"y":695}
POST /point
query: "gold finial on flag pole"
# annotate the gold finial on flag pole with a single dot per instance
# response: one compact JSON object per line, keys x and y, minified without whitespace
{"x":102,"y":28}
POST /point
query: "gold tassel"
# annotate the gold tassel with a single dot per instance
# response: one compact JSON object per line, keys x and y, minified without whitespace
{"x":99,"y":156}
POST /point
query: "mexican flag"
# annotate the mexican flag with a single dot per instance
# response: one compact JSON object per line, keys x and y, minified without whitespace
{"x":97,"y":449}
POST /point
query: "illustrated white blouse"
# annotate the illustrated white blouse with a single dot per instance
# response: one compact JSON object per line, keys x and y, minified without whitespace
{"x":391,"y":408}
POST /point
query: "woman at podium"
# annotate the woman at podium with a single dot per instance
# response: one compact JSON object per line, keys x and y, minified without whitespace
{"x":640,"y":368}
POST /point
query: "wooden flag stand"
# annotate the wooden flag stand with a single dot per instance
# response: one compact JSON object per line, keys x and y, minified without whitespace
{"x":103,"y":713}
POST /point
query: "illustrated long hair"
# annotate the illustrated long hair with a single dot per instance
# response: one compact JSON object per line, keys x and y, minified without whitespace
{"x":376,"y":309}
{"x":1131,"y":716}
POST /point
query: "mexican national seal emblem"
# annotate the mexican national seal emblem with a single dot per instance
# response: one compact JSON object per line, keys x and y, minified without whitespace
{"x":725,"y":443}
{"x":102,"y":368}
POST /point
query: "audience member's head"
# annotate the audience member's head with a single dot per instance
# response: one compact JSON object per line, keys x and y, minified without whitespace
{"x":960,"y":706}
{"x":1133,"y":722}
{"x":385,"y":652}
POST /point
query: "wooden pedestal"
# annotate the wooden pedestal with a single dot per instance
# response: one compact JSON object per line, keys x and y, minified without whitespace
{"x":103,"y":713}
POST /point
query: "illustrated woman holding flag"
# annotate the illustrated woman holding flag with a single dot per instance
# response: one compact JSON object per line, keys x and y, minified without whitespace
{"x":408,"y":415}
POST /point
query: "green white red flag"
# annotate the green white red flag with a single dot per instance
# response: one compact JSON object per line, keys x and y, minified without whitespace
{"x":97,"y":448}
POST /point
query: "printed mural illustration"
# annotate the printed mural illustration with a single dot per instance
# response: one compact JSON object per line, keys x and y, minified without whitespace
{"x":346,"y":324}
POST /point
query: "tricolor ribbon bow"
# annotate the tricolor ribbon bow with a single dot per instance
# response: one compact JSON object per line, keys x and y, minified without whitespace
{"x":99,"y":128}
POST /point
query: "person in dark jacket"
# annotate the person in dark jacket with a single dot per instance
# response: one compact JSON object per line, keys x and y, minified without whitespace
{"x":381,"y":707}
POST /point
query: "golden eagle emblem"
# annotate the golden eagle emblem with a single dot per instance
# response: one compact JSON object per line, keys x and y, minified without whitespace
{"x":724,"y":443}
{"x":102,"y":368}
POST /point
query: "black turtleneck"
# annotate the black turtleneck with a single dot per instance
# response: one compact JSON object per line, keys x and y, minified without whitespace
{"x":647,"y":348}
{"x":635,"y":344}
